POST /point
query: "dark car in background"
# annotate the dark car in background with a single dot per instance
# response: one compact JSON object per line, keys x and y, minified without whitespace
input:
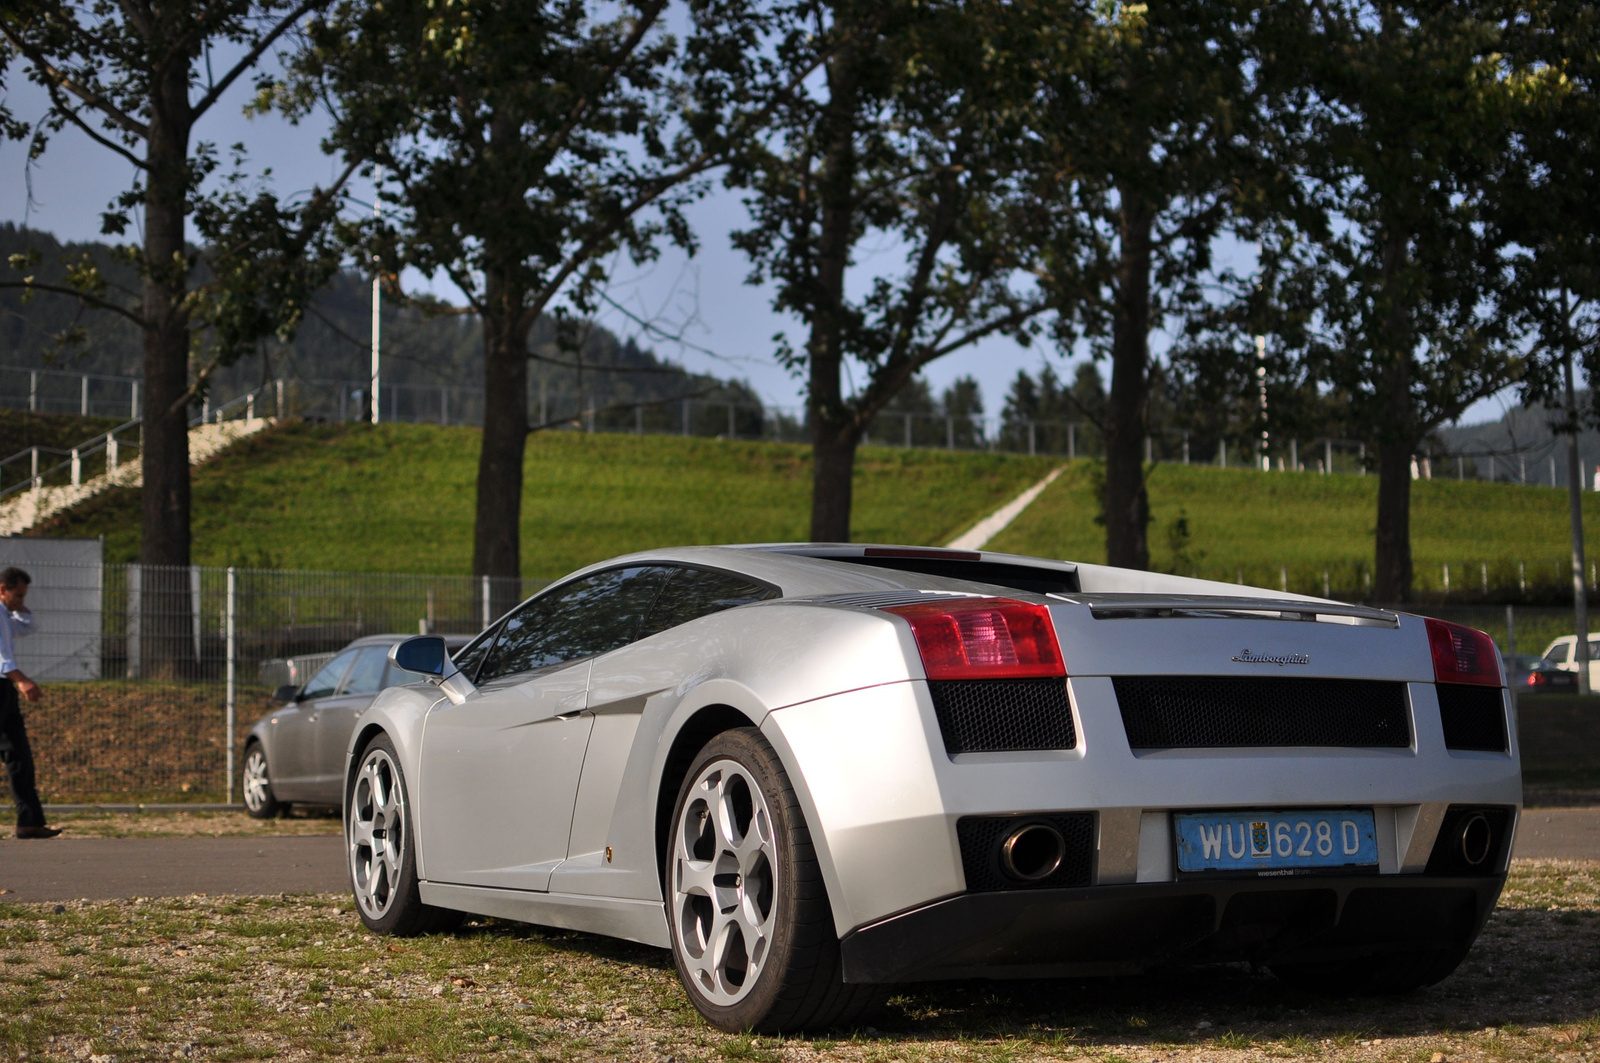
{"x":295,"y":753}
{"x":1528,"y":674}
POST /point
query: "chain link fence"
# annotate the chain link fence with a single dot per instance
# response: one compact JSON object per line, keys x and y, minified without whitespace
{"x":153,"y":675}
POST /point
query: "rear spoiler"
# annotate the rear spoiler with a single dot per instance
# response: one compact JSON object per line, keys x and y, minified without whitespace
{"x":1186,"y":606}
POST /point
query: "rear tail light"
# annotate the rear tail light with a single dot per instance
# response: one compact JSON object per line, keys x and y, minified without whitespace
{"x":984,"y":638}
{"x":1462,"y":654}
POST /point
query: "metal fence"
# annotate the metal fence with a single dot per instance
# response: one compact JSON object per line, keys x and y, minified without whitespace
{"x":170,"y":666}
{"x":153,"y":675}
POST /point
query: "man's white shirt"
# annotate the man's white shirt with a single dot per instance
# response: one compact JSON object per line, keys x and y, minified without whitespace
{"x":13,"y":626}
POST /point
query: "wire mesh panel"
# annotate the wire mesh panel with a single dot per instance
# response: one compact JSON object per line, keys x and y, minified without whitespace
{"x":172,"y":662}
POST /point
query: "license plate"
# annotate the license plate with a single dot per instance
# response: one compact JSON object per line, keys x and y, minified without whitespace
{"x":1285,"y":840}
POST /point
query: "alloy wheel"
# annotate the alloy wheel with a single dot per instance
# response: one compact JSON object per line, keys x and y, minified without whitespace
{"x":376,"y":833}
{"x":724,"y":879}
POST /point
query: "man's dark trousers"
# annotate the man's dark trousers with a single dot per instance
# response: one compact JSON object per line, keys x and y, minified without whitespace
{"x":18,"y":757}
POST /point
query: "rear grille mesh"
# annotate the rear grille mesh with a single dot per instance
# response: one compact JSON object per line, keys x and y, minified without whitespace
{"x":1198,"y":712}
{"x":1474,"y":717}
{"x":1003,"y":715}
{"x":980,"y":838}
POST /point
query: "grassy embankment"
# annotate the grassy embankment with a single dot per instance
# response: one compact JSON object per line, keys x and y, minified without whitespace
{"x":300,"y":978}
{"x":399,"y":498}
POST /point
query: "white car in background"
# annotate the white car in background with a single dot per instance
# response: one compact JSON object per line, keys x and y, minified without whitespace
{"x":813,"y":771}
{"x":1563,"y":654}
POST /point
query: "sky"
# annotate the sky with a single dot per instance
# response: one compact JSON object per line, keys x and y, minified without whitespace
{"x":727,"y":326}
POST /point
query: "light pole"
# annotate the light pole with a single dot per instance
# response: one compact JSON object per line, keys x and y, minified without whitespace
{"x":377,"y":306}
{"x":1264,"y":460}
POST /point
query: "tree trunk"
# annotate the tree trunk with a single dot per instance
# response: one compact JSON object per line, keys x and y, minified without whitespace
{"x":497,"y":531}
{"x":166,"y":617}
{"x":835,"y":429}
{"x":1397,"y":441}
{"x":1126,"y":504}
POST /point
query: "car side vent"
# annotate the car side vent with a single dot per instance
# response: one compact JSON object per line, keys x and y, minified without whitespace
{"x":1045,"y":851}
{"x":1474,"y":717}
{"x":1199,"y":712}
{"x":1003,"y":715}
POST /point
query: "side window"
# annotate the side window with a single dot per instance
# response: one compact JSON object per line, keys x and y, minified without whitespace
{"x":691,"y":593}
{"x":589,"y":616}
{"x":367,"y":676}
{"x":326,"y":681}
{"x":1559,"y":653}
{"x":471,"y":656}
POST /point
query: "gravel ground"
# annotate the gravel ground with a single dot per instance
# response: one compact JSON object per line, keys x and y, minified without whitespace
{"x":299,"y":978}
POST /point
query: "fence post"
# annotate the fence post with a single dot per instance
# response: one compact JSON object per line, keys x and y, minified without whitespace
{"x":907,"y":418}
{"x":1147,"y":451}
{"x":1283,"y":577}
{"x":133,"y":406}
{"x":83,"y":404}
{"x":1294,"y":455}
{"x":111,"y":455}
{"x":1072,"y":441}
{"x":732,"y":431}
{"x":949,"y":433}
{"x":1222,"y":453}
{"x":685,"y":416}
{"x":233,"y":665}
{"x":250,"y":407}
{"x":638,"y":420}
{"x":34,"y":454}
{"x":1032,"y":440}
{"x":1363,"y":456}
{"x":280,"y":397}
{"x":1327,"y":585}
{"x":205,"y":409}
{"x":77,"y":468}
{"x":1186,"y":448}
{"x":1447,"y":579}
{"x":1483,"y":569}
{"x":135,"y":621}
{"x":444,"y":406}
{"x":486,"y":617}
{"x":33,"y":391}
{"x":194,"y":607}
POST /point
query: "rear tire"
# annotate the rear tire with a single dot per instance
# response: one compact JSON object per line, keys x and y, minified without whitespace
{"x":752,"y":931}
{"x":381,"y":853}
{"x":256,"y":784}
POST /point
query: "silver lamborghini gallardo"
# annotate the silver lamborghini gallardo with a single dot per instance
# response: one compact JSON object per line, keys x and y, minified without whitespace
{"x":812,"y":771}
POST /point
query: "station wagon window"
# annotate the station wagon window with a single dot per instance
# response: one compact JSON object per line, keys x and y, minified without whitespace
{"x":586,"y":617}
{"x":367,"y":675}
{"x":691,"y":593}
{"x":326,"y":681}
{"x":1559,"y":654}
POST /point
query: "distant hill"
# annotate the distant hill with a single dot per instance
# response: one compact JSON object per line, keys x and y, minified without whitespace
{"x":1519,"y":444}
{"x":332,"y":344}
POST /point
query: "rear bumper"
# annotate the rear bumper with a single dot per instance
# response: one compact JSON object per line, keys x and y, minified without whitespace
{"x":1128,"y":928}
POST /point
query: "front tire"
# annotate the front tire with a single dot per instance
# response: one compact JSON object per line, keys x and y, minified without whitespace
{"x":752,"y":932}
{"x":256,"y":785}
{"x":382,"y":854}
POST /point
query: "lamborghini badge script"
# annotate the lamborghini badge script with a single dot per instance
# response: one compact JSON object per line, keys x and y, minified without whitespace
{"x":1280,"y":659}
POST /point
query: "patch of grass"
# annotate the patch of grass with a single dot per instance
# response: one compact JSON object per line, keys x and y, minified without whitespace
{"x":400,"y":498}
{"x":248,"y":978}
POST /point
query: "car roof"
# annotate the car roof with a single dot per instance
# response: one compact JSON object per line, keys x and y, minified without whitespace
{"x":390,"y":638}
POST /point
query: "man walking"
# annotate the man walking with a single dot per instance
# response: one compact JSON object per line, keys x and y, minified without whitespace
{"x":17,"y":754}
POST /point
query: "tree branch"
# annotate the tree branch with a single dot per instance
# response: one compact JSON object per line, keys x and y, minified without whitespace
{"x":83,"y":92}
{"x":642,"y":26}
{"x":251,"y":56}
{"x":91,"y":300}
{"x":66,"y":110}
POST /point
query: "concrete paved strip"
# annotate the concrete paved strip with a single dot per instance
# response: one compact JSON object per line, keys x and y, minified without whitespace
{"x":65,"y":869}
{"x":1558,"y":834}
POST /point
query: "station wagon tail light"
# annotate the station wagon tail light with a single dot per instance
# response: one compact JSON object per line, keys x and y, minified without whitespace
{"x":1462,"y":654}
{"x":984,"y":638}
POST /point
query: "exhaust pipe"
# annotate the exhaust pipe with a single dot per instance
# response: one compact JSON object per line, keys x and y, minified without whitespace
{"x":1475,"y":839}
{"x":1035,"y":851}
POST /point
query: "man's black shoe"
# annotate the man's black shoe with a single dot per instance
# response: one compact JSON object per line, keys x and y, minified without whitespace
{"x":37,"y":832}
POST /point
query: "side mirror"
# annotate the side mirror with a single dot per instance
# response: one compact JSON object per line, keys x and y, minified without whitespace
{"x":423,"y":653}
{"x":426,"y":654}
{"x":286,"y":692}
